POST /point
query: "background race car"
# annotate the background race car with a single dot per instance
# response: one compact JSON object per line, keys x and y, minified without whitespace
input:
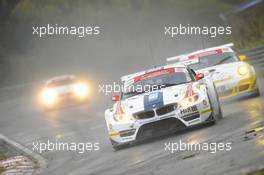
{"x":66,"y":89}
{"x":158,"y":101}
{"x":233,"y":77}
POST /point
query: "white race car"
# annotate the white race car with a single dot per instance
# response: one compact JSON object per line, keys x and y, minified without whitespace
{"x":63,"y":89}
{"x":233,"y":77}
{"x":158,"y":101}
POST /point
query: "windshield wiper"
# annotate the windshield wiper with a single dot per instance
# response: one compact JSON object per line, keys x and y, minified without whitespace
{"x":223,"y":60}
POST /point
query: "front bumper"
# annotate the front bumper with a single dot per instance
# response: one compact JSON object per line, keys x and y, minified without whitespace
{"x":121,"y":133}
{"x":237,"y":89}
{"x":66,"y":99}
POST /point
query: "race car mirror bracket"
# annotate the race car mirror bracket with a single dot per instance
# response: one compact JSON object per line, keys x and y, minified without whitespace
{"x":115,"y":98}
{"x":199,"y":76}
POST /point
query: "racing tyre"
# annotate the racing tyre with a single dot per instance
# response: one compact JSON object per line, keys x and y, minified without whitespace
{"x":219,"y":116}
{"x":258,"y":93}
{"x":214,"y":102}
{"x":216,"y":109}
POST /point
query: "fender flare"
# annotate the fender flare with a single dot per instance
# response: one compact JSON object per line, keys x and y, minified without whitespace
{"x":214,"y":99}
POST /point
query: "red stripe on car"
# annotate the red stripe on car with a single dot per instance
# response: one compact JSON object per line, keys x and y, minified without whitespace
{"x":154,"y":74}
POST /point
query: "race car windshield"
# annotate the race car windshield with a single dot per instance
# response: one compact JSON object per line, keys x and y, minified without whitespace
{"x":61,"y":82}
{"x":213,"y":60}
{"x":181,"y":76}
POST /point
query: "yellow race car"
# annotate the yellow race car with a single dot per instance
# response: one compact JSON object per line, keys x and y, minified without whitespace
{"x":233,"y":77}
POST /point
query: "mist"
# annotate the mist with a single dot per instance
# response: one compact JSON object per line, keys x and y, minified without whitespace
{"x":131,"y":39}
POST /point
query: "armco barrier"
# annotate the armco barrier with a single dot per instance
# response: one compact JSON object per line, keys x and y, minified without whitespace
{"x":256,"y":57}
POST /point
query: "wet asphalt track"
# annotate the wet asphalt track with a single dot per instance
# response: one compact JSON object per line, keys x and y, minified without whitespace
{"x":22,"y":121}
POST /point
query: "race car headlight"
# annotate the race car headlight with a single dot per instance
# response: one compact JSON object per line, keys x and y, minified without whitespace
{"x":49,"y":96}
{"x":81,"y":89}
{"x":189,"y":100}
{"x":243,"y":70}
{"x":122,"y":117}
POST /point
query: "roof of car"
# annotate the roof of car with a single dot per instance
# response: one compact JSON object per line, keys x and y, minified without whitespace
{"x":131,"y":76}
{"x":183,"y":57}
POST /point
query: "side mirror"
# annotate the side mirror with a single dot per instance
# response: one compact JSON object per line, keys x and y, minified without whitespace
{"x":243,"y":58}
{"x":199,"y":76}
{"x":115,"y":98}
{"x":194,"y":73}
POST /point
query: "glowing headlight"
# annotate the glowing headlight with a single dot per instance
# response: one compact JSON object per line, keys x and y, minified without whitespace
{"x":243,"y":70}
{"x":49,"y":96}
{"x":122,"y":117}
{"x":189,"y":100}
{"x":81,"y":89}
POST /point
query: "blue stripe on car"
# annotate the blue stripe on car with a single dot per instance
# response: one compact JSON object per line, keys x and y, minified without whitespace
{"x":153,"y":100}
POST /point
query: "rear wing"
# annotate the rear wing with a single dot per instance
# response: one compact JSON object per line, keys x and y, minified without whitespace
{"x":184,"y":57}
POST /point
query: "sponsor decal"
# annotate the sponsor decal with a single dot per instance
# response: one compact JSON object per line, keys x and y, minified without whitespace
{"x":198,"y":87}
{"x":191,"y":109}
{"x":190,"y":61}
{"x":154,"y":74}
{"x":220,"y":76}
{"x":223,"y":79}
{"x":189,"y":91}
{"x":153,"y":96}
{"x":206,"y":111}
{"x":153,"y":100}
{"x":186,"y":117}
{"x":119,"y":109}
{"x":202,"y":54}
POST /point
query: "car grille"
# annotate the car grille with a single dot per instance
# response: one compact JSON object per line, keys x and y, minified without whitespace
{"x":160,"y":111}
{"x":144,"y":115}
{"x":191,"y":117}
{"x":243,"y":87}
{"x":165,"y":109}
{"x":159,"y":127}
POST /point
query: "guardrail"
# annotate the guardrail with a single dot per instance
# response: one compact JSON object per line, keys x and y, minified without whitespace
{"x":256,"y":57}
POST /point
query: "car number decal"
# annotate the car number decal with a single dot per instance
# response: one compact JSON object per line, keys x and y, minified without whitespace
{"x":153,"y":96}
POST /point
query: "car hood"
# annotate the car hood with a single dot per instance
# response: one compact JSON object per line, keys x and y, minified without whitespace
{"x":222,"y":72}
{"x":156,"y":99}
